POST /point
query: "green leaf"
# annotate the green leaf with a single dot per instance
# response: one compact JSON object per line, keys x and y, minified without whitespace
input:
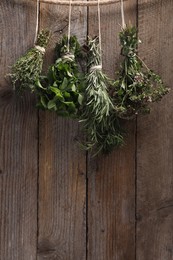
{"x":71,"y":106}
{"x":52,"y":74}
{"x":80,"y":99}
{"x":120,"y":92}
{"x":57,"y":93}
{"x":69,"y":74}
{"x":123,"y":85}
{"x":51,"y":104}
{"x":55,"y":84}
{"x":66,"y":94}
{"x":64,"y":84}
{"x":73,"y":88}
{"x":43,"y":101}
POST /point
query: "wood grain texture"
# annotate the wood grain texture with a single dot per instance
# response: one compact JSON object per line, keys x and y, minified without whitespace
{"x":18,"y":140}
{"x":86,"y":208}
{"x":62,"y":189}
{"x":111,"y":179}
{"x":80,"y":3}
{"x":155,"y":139}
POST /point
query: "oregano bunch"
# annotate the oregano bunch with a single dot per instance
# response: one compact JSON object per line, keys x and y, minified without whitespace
{"x":60,"y":90}
{"x":27,"y":68}
{"x":136,"y":86}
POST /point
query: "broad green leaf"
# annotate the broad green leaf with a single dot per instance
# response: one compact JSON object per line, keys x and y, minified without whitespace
{"x":80,"y":99}
{"x":71,"y":106}
{"x":64,"y":84}
{"x":51,"y":104}
{"x":43,"y":101}
{"x":67,"y":94}
{"x":73,"y":88}
{"x":57,"y":93}
{"x":69,"y":74}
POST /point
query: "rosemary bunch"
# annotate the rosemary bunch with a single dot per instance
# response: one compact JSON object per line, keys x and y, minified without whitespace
{"x":102,"y":130}
{"x":28,"y":68}
{"x":97,"y":99}
{"x":104,"y":136}
{"x":60,"y":90}
{"x":137,"y":85}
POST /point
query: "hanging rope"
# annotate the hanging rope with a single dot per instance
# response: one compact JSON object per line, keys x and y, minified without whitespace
{"x":100,"y":37}
{"x":122,"y":14}
{"x":81,"y":3}
{"x":37,"y":21}
{"x":69,"y":26}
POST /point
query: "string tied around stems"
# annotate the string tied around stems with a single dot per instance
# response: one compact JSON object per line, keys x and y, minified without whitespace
{"x":41,"y":49}
{"x":95,"y":67}
{"x":69,"y":56}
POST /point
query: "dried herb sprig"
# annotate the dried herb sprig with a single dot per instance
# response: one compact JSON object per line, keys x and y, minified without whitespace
{"x":137,"y":85}
{"x":102,"y":130}
{"x":28,"y":68}
{"x":60,"y":90}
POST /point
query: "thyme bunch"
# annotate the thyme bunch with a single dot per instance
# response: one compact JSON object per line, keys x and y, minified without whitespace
{"x":137,"y":86}
{"x":101,"y":128}
{"x":60,"y":90}
{"x":28,"y":68}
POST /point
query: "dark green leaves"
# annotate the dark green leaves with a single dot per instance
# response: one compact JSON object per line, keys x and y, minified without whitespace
{"x":136,"y":86}
{"x":98,"y":103}
{"x":28,"y":68}
{"x":64,"y":82}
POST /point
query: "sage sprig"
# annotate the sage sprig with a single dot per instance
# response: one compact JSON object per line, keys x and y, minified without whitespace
{"x":136,"y":86}
{"x":28,"y":68}
{"x":61,"y":89}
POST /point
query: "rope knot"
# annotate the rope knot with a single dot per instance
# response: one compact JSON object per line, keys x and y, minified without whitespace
{"x":41,"y":49}
{"x":96,"y":67}
{"x":68,"y":56}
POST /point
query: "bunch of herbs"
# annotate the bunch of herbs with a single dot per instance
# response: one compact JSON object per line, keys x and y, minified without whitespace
{"x":101,"y":127}
{"x":27,"y":69}
{"x":137,"y":85}
{"x":61,"y":89}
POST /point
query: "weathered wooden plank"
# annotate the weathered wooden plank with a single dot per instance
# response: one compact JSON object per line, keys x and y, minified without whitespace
{"x":18,"y":140}
{"x":62,"y":191}
{"x":81,"y":3}
{"x":111,"y":179}
{"x":155,"y":139}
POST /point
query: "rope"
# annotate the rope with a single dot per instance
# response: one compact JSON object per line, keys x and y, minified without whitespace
{"x":100,"y":37}
{"x":37,"y":22}
{"x":96,"y":67}
{"x":122,"y":14}
{"x":81,"y":3}
{"x":41,"y":49}
{"x":68,"y":56}
{"x":69,"y":26}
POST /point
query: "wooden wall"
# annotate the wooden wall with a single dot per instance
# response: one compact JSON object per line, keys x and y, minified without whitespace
{"x":56,"y":202}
